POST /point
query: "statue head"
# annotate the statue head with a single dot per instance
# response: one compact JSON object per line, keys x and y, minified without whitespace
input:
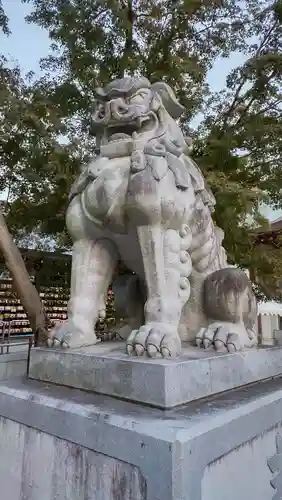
{"x":138,"y":121}
{"x":132,"y":109}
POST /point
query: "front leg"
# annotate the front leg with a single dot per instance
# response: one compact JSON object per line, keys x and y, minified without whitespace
{"x":92,"y":270}
{"x":165,"y":267}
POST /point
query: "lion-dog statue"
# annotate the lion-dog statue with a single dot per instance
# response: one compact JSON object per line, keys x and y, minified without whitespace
{"x":144,"y":202}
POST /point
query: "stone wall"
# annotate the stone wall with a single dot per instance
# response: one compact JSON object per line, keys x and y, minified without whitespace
{"x":243,"y":473}
{"x":38,"y":466}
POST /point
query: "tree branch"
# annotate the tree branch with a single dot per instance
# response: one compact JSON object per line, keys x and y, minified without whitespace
{"x":244,"y":77}
{"x":251,"y":101}
{"x":130,"y":15}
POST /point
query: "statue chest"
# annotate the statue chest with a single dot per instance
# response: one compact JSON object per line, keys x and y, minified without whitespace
{"x":104,"y":197}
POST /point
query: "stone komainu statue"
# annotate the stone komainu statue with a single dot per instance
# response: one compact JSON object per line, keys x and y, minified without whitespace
{"x":143,"y":201}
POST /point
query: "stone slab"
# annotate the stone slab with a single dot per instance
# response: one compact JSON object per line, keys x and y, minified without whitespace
{"x":13,"y":363}
{"x":39,"y":466}
{"x":163,"y":383}
{"x":93,"y":446}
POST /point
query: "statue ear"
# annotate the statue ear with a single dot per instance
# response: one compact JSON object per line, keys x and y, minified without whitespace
{"x":170,"y":102}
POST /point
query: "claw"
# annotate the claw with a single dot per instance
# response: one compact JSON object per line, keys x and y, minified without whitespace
{"x":67,"y":335}
{"x":152,"y":350}
{"x":200,"y":336}
{"x":139,"y":349}
{"x":220,"y":346}
{"x":129,"y":349}
{"x":154,"y":339}
{"x":50,"y":342}
{"x":233,"y":343}
{"x":165,"y":352}
{"x":198,"y":342}
{"x":225,"y":337}
{"x":207,"y":343}
{"x":231,"y":347}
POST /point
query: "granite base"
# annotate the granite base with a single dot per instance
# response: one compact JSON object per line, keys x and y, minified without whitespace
{"x":162,"y":383}
{"x":67,"y":444}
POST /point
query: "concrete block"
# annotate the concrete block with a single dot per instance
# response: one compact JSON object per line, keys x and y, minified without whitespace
{"x":66,"y":444}
{"x":39,"y":466}
{"x":13,"y":364}
{"x":163,"y":383}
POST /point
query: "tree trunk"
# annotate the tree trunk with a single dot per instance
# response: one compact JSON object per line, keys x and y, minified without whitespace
{"x":26,"y":291}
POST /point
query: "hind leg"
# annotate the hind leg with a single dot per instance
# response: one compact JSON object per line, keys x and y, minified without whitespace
{"x":226,"y":337}
{"x":230,"y":305}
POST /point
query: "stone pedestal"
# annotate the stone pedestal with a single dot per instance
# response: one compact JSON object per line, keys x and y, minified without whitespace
{"x":13,"y":364}
{"x":71,"y":444}
{"x":162,"y":383}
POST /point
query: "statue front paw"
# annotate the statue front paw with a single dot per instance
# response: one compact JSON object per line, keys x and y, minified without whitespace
{"x":226,"y":337}
{"x":67,"y":335}
{"x":154,"y":339}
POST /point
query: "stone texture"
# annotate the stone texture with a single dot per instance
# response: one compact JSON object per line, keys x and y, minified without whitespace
{"x":230,"y":474}
{"x":38,"y":466}
{"x":143,"y":201}
{"x":13,"y":364}
{"x":163,"y":383}
{"x":217,"y":449}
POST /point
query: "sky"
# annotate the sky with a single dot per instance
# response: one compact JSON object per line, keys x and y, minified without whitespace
{"x":28,"y":43}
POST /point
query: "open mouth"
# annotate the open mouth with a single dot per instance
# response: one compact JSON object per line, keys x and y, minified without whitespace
{"x":125,"y":131}
{"x":122,"y":132}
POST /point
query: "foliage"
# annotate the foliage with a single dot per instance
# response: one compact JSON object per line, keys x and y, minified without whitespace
{"x":4,"y":21}
{"x":237,"y":143}
{"x":243,"y":135}
{"x":30,"y":155}
{"x":268,"y":282}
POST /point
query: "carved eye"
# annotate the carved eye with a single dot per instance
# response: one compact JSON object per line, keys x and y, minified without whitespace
{"x":139,"y":97}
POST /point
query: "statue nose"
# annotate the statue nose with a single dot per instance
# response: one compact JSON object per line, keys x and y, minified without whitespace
{"x":118,"y":107}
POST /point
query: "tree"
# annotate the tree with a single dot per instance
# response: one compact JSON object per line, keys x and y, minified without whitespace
{"x":13,"y":125}
{"x":4,"y":22}
{"x":242,"y":150}
{"x":31,"y":157}
{"x":238,"y":142}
